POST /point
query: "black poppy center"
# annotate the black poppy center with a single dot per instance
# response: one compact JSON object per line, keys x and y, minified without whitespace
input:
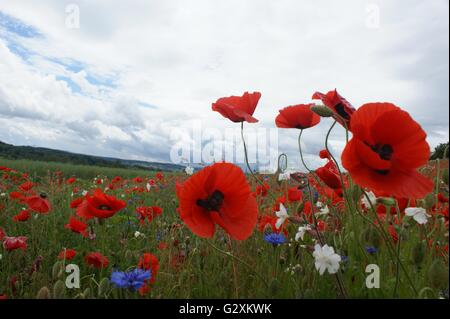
{"x":384,"y":151}
{"x":340,"y":109}
{"x":43,"y":195}
{"x":104,"y":207}
{"x":213,"y":202}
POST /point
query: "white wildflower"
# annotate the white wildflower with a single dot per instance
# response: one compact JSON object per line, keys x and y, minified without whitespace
{"x":282,"y":216}
{"x":323,"y":211}
{"x":419,"y":214}
{"x":301,"y":232}
{"x":138,"y":234}
{"x":326,"y":259}
{"x":189,"y":170}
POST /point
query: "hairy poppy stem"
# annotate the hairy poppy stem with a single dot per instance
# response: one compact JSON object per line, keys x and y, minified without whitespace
{"x":246,"y":156}
{"x":397,"y":280}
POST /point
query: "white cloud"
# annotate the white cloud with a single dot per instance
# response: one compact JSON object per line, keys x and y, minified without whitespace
{"x":92,"y":89}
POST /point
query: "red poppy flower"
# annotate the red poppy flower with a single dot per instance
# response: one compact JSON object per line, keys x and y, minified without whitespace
{"x":393,"y":233}
{"x":27,"y":186}
{"x":23,"y":216}
{"x":13,"y":243}
{"x":442,"y":198}
{"x":77,"y":226}
{"x":38,"y":204}
{"x":329,"y":175}
{"x":324,"y":154}
{"x":294,"y":194}
{"x":96,"y":260}
{"x":2,"y":234}
{"x":71,"y":180}
{"x":149,"y":262}
{"x":297,"y":116}
{"x":17,"y":195}
{"x":321,"y":225}
{"x":218,"y":195}
{"x":137,"y":180}
{"x":148,"y":213}
{"x":238,"y":108}
{"x":3,"y":297}
{"x":386,"y":149}
{"x":67,"y":254}
{"x":99,"y":205}
{"x":269,"y":221}
{"x":159,"y":176}
{"x":162,"y":245}
{"x":262,"y":190}
{"x":76,"y":202}
{"x":337,"y":104}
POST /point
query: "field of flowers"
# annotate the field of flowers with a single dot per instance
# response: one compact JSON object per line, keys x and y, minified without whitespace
{"x":374,"y":227}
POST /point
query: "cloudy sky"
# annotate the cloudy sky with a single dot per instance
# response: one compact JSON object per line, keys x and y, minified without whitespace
{"x":131,"y":73}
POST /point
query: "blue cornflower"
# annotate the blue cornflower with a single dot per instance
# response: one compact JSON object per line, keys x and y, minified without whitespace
{"x":371,"y":250}
{"x":275,"y":239}
{"x":133,"y":279}
{"x":316,"y":196}
{"x":344,"y":259}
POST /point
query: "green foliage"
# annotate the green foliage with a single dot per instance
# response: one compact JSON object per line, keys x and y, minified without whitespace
{"x":12,"y":152}
{"x":439,"y":151}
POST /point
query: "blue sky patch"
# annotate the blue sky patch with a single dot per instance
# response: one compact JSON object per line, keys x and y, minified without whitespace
{"x":72,"y":85}
{"x":16,"y":26}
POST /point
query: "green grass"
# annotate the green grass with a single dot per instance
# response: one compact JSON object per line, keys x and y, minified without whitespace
{"x":39,"y":169}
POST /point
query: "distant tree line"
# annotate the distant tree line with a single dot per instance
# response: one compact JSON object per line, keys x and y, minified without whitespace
{"x":8,"y":151}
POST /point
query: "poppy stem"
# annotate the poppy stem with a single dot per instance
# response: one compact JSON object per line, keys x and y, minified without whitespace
{"x":241,"y":261}
{"x":343,"y":122}
{"x":236,"y":287}
{"x":246,"y":156}
{"x":319,"y":235}
{"x":397,"y":280}
{"x":313,"y":174}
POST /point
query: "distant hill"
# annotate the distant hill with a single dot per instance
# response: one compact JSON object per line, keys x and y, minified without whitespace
{"x":9,"y":151}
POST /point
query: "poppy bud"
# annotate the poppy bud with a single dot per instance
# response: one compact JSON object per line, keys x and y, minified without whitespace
{"x":103,"y":287}
{"x":387,"y":201}
{"x":418,"y":253}
{"x":322,"y":110}
{"x":59,"y":290}
{"x":44,"y":293}
{"x":57,"y":270}
{"x":438,"y":275}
